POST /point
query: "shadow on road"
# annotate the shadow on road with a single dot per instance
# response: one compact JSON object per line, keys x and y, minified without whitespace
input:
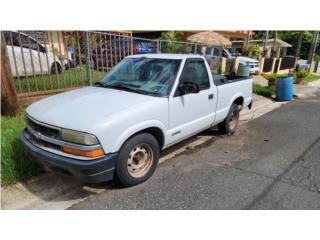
{"x":50,"y":187}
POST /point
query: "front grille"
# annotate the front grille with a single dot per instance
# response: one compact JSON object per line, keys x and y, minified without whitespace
{"x":44,"y":130}
{"x":34,"y":128}
{"x":48,"y":138}
{"x":38,"y":142}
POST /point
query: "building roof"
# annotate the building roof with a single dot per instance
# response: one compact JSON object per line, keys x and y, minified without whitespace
{"x":270,"y":42}
{"x":209,"y":37}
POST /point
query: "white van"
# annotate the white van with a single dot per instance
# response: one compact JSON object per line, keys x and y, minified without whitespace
{"x":26,"y":54}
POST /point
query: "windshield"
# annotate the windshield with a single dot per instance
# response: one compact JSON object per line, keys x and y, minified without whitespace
{"x":227,"y":54}
{"x":151,"y":76}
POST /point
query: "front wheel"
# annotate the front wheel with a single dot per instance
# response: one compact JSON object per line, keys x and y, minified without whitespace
{"x":138,"y":159}
{"x":229,"y":125}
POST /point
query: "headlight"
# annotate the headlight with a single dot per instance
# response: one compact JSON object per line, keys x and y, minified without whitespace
{"x":78,"y":137}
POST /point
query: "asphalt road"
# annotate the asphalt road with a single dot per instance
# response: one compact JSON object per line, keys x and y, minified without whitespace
{"x":272,"y":162}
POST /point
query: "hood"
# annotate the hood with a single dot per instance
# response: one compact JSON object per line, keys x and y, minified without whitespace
{"x":247,"y":59}
{"x":80,"y":109}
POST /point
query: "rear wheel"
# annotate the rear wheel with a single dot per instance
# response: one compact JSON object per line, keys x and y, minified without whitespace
{"x":229,"y":125}
{"x":138,"y":159}
{"x":55,"y":68}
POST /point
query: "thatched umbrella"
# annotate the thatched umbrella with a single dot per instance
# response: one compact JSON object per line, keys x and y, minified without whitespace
{"x":210,"y":38}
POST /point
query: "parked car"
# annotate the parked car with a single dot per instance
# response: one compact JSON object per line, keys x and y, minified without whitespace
{"x":113,"y":51}
{"x":213,"y":56}
{"x":253,"y":63}
{"x":145,"y":104}
{"x":143,"y":46}
{"x":215,"y":53}
{"x":28,"y":55}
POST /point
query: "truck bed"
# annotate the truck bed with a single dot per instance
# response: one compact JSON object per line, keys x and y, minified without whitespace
{"x":229,"y":88}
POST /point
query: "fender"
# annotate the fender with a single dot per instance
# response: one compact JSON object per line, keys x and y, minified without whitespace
{"x":137,"y":128}
{"x":237,"y":95}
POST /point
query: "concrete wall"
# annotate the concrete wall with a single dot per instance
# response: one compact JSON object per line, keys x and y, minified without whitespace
{"x":56,"y":43}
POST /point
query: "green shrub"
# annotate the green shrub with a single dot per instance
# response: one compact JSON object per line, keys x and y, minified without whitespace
{"x":301,"y":73}
{"x":253,"y":51}
{"x":263,"y":91}
{"x":170,"y":44}
{"x":316,"y":57}
{"x":273,"y":77}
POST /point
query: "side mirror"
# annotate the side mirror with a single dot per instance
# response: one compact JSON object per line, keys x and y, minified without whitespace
{"x":188,"y":87}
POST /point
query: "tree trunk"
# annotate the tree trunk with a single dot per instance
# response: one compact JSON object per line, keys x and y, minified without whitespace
{"x":247,"y":41}
{"x":9,"y":100}
{"x":265,"y":43}
{"x":312,"y":47}
{"x":299,"y":44}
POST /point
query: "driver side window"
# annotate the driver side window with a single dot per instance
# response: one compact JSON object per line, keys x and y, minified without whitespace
{"x":196,"y":72}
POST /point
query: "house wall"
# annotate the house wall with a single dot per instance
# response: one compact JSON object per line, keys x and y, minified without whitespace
{"x":55,"y":43}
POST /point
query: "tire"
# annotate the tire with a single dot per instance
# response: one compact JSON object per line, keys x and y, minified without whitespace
{"x":138,"y":159}
{"x":230,"y":123}
{"x":53,"y":68}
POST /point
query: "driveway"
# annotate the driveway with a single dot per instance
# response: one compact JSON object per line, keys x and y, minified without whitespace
{"x":273,"y":162}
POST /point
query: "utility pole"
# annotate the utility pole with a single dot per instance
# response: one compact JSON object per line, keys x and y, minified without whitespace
{"x":299,"y":44}
{"x":275,"y":52}
{"x":9,"y":100}
{"x":312,"y":48}
{"x":247,"y":41}
{"x":266,"y":37}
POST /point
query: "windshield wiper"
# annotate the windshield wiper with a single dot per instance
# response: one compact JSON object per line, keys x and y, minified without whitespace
{"x":124,"y":87}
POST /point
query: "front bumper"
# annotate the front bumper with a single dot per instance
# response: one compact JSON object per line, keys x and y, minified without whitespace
{"x":254,"y":70}
{"x":86,"y":171}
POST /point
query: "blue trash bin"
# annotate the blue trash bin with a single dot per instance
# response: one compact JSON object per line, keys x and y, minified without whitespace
{"x":284,"y":88}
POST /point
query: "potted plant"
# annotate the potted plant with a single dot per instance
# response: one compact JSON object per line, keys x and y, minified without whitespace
{"x":300,"y":75}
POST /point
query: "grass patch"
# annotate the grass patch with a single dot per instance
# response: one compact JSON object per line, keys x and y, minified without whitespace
{"x":263,"y":91}
{"x":14,"y":166}
{"x":71,"y":78}
{"x":310,"y":78}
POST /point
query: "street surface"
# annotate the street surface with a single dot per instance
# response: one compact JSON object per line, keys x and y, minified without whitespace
{"x":272,"y":162}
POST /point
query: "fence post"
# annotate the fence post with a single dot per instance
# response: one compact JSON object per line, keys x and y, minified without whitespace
{"x":223,"y":65}
{"x":9,"y":100}
{"x":160,"y":46}
{"x":261,"y":65}
{"x":88,"y":59}
{"x":273,"y":65}
{"x":235,"y":65}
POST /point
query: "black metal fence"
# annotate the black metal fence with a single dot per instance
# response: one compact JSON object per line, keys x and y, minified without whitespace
{"x":287,"y":63}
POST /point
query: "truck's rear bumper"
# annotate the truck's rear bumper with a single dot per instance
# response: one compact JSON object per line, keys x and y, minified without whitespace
{"x":86,"y":171}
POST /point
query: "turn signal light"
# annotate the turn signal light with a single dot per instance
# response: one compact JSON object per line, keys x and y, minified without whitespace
{"x":93,"y":153}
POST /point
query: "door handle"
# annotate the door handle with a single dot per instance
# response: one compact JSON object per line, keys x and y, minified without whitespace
{"x":210,"y":96}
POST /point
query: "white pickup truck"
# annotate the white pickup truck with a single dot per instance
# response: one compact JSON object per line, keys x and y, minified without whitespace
{"x":118,"y":127}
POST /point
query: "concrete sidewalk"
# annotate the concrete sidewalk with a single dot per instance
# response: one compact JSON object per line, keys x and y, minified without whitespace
{"x":50,"y":191}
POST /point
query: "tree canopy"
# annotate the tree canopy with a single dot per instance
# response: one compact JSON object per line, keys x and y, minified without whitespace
{"x":292,"y":37}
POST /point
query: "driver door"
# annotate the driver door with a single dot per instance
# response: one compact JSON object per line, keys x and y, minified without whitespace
{"x":193,"y":112}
